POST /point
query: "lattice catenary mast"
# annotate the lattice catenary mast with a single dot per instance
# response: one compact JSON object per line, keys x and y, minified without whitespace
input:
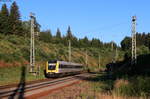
{"x":134,"y":57}
{"x":32,"y":47}
{"x":86,"y":58}
{"x":69,"y":51}
{"x":99,"y":60}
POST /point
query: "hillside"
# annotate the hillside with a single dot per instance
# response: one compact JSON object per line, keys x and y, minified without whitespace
{"x":15,"y":52}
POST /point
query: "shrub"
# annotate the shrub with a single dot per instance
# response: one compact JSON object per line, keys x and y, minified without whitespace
{"x":123,"y":88}
{"x":135,"y":86}
{"x":142,"y":86}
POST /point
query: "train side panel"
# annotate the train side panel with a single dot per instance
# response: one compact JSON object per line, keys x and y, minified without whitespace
{"x":62,"y":68}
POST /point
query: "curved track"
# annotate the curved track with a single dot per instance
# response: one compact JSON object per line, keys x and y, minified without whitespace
{"x":37,"y":88}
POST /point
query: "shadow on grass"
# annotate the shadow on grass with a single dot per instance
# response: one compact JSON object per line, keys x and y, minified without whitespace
{"x":19,"y":92}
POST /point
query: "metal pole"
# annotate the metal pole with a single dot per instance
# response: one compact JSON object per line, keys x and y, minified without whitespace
{"x":112,"y":49}
{"x":116,"y":54}
{"x":38,"y":65}
{"x":32,"y":49}
{"x":86,"y":59}
{"x":99,"y":61}
{"x":134,"y":57}
{"x":112,"y":46}
{"x":69,"y":51}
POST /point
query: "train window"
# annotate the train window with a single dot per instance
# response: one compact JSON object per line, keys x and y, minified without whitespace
{"x":78,"y":67}
{"x":69,"y":66}
{"x":52,"y":61}
{"x":51,"y":67}
{"x":62,"y":66}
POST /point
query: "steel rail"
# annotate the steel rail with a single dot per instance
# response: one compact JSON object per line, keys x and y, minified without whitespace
{"x":6,"y":92}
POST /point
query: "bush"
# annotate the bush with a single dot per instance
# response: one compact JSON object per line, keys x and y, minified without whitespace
{"x":25,"y":52}
{"x":15,"y":40}
{"x":142,"y":86}
{"x":136,"y":86}
{"x":123,"y":88}
{"x":10,"y":57}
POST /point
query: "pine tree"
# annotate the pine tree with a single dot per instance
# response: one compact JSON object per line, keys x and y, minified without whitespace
{"x":4,"y":20}
{"x":37,"y":26}
{"x":15,"y":22}
{"x":0,"y":21}
{"x":58,"y":34}
{"x":69,"y":33}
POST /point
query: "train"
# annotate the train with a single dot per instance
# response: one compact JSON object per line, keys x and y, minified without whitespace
{"x":56,"y":68}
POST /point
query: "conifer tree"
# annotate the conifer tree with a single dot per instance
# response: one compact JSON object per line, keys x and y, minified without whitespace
{"x":58,"y":34}
{"x":15,"y":22}
{"x":37,"y":26}
{"x":0,"y":21}
{"x":4,"y":20}
{"x":69,"y":33}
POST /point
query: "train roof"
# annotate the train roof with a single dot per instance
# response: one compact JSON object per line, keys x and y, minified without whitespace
{"x":65,"y":62}
{"x":69,"y":63}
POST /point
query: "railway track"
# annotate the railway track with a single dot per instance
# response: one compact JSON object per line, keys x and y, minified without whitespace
{"x":37,"y":88}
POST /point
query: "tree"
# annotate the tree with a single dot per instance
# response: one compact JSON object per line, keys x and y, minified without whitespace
{"x":15,"y":22}
{"x":26,"y":28}
{"x":84,"y":42}
{"x":46,"y":36}
{"x":4,"y":20}
{"x":37,"y":26}
{"x":69,"y":33}
{"x":74,"y":41}
{"x":95,"y":42}
{"x":142,"y":50}
{"x":58,"y":34}
{"x":57,"y":39}
{"x":126,"y":43}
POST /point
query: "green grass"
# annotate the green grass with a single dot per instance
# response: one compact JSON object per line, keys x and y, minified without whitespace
{"x":9,"y":75}
{"x":129,"y":86}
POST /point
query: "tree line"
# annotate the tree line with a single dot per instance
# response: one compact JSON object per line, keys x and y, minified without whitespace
{"x":142,"y":39}
{"x":142,"y":42}
{"x":47,"y":36}
{"x":11,"y":23}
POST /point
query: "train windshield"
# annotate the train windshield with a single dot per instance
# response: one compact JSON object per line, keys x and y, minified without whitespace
{"x":51,"y":66}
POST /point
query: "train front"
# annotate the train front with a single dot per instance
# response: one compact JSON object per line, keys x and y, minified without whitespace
{"x":51,"y":68}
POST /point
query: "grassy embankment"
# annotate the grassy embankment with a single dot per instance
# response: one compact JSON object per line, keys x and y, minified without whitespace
{"x":129,"y":81}
{"x":15,"y":53}
{"x":135,"y":86}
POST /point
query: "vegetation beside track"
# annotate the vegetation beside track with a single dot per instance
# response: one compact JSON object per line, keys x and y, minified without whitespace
{"x":131,"y":86}
{"x":103,"y":86}
{"x":17,"y":74}
{"x":15,"y":53}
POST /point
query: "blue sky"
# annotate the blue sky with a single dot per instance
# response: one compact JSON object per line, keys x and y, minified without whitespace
{"x":104,"y":19}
